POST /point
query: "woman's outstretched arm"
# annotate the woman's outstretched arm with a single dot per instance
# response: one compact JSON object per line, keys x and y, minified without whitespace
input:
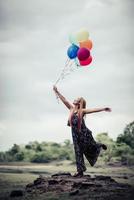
{"x":62,"y":98}
{"x":88,"y":111}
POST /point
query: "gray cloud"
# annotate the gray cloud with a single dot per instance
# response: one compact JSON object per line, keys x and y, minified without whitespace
{"x":33,"y":45}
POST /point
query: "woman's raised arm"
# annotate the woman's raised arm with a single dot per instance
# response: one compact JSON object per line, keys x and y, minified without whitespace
{"x":62,"y":98}
{"x":88,"y":111}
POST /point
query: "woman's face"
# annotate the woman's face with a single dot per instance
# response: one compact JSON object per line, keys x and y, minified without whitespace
{"x":76,"y":101}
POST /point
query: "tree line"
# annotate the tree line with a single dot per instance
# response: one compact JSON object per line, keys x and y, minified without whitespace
{"x":121,"y":150}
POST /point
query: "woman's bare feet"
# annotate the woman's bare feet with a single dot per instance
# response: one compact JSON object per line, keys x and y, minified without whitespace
{"x":78,"y":174}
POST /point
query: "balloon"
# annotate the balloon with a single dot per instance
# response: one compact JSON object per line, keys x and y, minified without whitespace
{"x":72,"y":51}
{"x":86,"y":62}
{"x":82,"y":35}
{"x":72,"y":39}
{"x":83,"y":53}
{"x":87,"y":44}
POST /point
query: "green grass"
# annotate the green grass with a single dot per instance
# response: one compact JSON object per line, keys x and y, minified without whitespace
{"x":9,"y":182}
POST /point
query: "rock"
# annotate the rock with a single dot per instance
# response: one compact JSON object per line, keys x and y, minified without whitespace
{"x":39,"y":180}
{"x":52,"y":182}
{"x":87,"y":176}
{"x":76,"y":185}
{"x":125,"y":177}
{"x":29,"y":185}
{"x":62,"y":174}
{"x":85,"y":185}
{"x":90,"y":187}
{"x":16,"y":193}
{"x":105,"y":178}
{"x":29,"y":190}
{"x":74,"y":192}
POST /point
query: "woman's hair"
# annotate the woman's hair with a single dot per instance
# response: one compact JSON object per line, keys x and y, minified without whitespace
{"x":82,"y":104}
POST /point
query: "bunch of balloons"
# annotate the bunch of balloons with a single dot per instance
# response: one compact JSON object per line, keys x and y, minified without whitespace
{"x":78,"y":53}
{"x":80,"y":48}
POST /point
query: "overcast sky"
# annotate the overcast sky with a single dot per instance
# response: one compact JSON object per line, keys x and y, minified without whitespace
{"x":33,"y":44}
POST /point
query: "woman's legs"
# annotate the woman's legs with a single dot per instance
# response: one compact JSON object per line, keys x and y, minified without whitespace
{"x":91,"y":147}
{"x":79,"y":158}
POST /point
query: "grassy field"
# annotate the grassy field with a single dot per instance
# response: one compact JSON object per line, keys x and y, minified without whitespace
{"x":17,"y":175}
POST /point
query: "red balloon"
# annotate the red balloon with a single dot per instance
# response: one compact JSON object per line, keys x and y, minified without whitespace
{"x":86,"y":62}
{"x":83,"y":53}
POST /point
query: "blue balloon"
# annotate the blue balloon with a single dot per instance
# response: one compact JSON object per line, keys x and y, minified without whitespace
{"x":72,"y":51}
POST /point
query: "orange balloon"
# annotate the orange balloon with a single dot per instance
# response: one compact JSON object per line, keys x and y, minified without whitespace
{"x":87,"y":44}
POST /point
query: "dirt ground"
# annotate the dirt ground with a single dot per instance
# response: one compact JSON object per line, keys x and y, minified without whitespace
{"x":31,"y":182}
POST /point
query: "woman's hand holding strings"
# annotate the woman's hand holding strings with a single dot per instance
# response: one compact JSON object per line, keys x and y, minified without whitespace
{"x":55,"y":89}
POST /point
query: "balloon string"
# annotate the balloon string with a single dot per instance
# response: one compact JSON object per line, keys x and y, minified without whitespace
{"x":66,"y":69}
{"x":67,"y":61}
{"x":63,"y":73}
{"x":63,"y":70}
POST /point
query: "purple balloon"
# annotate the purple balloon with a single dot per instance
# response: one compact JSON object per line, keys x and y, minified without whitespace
{"x":83,"y":53}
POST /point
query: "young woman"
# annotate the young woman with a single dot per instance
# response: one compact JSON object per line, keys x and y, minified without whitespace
{"x":84,"y":143}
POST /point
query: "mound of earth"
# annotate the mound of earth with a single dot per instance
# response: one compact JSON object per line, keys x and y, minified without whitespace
{"x":86,"y":187}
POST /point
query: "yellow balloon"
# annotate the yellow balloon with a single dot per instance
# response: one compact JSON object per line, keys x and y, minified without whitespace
{"x":82,"y":35}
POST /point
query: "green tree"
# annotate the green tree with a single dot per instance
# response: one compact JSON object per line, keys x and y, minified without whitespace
{"x":67,"y":143}
{"x":19,"y":156}
{"x":2,"y":157}
{"x":111,"y":146}
{"x":38,"y":148}
{"x":104,"y":138}
{"x":32,"y":145}
{"x":127,"y":136}
{"x":15,"y":149}
{"x":42,"y":157}
{"x":122,"y":149}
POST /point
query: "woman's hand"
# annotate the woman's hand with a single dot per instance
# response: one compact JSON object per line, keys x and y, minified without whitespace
{"x":55,"y":89}
{"x":62,"y":98}
{"x":107,"y":109}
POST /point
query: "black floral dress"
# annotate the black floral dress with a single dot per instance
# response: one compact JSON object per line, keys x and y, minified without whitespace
{"x":84,"y":144}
